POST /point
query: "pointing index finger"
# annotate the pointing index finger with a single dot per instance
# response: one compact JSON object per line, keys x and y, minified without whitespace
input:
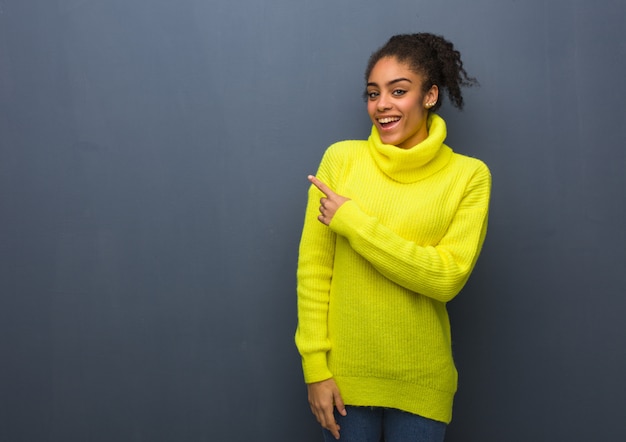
{"x":321,"y":186}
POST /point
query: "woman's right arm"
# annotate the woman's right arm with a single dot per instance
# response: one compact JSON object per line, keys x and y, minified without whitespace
{"x":315,"y":268}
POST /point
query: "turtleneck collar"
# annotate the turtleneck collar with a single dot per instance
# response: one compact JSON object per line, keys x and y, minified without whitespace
{"x":416,"y":163}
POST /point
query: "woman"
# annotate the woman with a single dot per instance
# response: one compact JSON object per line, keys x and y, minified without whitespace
{"x":393,"y":228}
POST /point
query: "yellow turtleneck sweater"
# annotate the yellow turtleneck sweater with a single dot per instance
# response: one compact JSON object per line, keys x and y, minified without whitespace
{"x":373,"y":286}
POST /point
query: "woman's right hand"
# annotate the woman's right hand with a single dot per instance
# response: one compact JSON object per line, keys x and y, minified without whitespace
{"x":323,"y":396}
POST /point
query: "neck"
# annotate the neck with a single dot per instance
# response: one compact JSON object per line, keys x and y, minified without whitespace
{"x":417,"y":161}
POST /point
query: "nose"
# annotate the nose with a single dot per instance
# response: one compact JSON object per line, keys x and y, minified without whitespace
{"x":383,"y":103}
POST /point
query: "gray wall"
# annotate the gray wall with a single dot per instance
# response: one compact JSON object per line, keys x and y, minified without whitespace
{"x":153,"y":161}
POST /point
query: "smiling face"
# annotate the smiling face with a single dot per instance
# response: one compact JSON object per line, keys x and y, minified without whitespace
{"x":397,"y":103}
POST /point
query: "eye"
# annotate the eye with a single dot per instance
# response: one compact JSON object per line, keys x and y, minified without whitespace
{"x":372,"y":95}
{"x":399,"y":92}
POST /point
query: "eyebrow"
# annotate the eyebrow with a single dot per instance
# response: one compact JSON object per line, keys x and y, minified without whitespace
{"x":397,"y":80}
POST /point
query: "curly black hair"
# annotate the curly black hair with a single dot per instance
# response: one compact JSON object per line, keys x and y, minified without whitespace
{"x":431,"y":56}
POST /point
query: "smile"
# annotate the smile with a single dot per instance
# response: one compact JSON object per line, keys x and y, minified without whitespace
{"x":388,"y":121}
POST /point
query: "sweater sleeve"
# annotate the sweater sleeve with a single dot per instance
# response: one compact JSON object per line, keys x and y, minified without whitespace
{"x":314,"y":274}
{"x":439,"y":271}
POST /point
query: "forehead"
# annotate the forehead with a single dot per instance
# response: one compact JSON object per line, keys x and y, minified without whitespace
{"x":389,"y":68}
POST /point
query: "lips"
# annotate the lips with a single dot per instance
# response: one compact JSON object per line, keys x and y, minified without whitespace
{"x":387,"y":122}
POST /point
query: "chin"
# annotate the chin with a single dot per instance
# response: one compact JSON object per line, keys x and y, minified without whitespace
{"x":391,"y":141}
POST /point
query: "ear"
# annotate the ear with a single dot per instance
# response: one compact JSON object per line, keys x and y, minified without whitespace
{"x":431,"y":97}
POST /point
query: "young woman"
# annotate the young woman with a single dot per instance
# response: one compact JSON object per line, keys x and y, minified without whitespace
{"x":393,"y":228}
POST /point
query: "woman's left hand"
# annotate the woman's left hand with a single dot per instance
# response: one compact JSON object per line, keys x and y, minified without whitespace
{"x":330,"y":203}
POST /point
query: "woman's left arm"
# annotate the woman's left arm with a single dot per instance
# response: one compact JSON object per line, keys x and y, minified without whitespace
{"x":439,"y":271}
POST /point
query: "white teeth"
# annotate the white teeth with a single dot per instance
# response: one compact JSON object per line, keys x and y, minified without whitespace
{"x":388,"y":120}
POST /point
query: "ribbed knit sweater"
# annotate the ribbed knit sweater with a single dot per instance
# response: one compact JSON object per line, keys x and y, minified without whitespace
{"x":373,"y":285}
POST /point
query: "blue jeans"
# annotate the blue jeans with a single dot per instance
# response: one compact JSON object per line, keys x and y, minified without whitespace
{"x":377,"y":424}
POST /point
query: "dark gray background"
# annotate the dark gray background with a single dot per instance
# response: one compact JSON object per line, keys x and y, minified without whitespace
{"x":153,"y":161}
